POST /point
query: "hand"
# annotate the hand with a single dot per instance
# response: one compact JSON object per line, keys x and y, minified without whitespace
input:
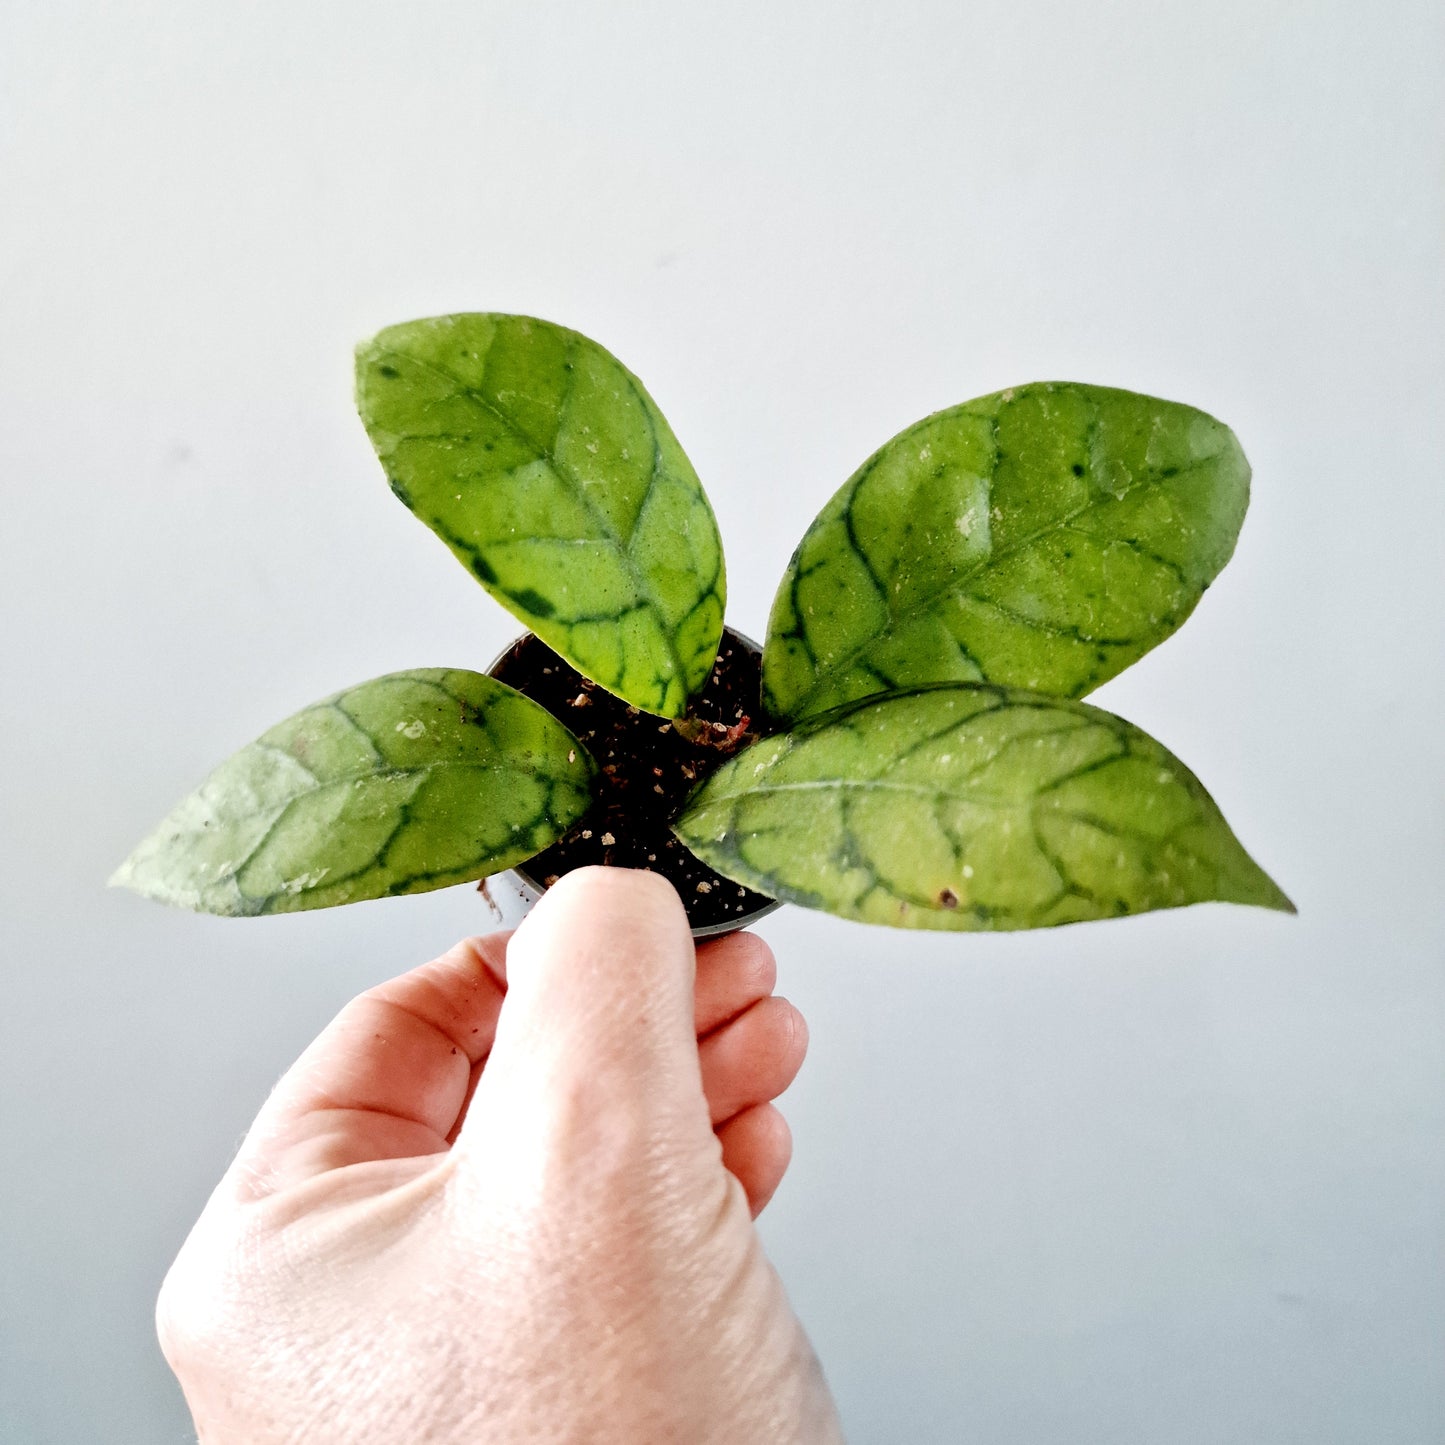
{"x":507,"y":1197}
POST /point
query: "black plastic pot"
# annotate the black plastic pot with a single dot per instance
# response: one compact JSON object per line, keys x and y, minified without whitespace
{"x":512,"y":894}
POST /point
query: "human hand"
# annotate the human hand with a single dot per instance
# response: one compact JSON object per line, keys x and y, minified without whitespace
{"x":506,"y":1197}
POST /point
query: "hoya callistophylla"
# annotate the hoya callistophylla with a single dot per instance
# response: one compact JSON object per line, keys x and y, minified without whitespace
{"x":538,"y":458}
{"x":923,"y":762}
{"x":1043,"y":537}
{"x":984,"y":567}
{"x":968,"y":806}
{"x":405,"y":783}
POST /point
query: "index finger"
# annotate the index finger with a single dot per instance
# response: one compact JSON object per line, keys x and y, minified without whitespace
{"x":388,"y":1077}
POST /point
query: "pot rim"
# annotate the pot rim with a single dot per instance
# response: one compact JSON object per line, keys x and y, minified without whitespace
{"x":707,"y":930}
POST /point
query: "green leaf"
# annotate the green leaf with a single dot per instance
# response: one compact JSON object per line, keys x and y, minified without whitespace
{"x":541,"y":462}
{"x":970,"y":807}
{"x":1044,"y":537}
{"x":412,"y":781}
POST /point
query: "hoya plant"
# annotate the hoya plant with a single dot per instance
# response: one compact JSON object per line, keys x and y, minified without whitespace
{"x":908,"y":747}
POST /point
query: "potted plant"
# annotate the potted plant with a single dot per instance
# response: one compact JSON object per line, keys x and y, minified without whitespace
{"x":908,"y":746}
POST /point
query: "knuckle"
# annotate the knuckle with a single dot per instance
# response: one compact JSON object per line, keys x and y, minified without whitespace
{"x":199,"y":1304}
{"x":185,"y":1318}
{"x":759,"y":967}
{"x":790,"y":1027}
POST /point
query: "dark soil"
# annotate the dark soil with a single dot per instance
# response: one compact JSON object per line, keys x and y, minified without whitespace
{"x":647,"y":768}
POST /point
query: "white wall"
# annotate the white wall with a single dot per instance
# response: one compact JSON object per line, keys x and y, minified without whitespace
{"x":1172,"y":1181}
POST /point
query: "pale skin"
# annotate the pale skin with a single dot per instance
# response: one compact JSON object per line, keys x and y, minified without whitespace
{"x":509,"y":1197}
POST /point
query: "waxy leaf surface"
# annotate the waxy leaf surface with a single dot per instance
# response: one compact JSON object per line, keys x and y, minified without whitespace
{"x":1044,"y":537}
{"x":970,"y":807}
{"x":412,"y":781}
{"x":538,"y":458}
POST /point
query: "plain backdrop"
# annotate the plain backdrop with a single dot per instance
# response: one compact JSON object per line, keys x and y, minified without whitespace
{"x":1176,"y":1180}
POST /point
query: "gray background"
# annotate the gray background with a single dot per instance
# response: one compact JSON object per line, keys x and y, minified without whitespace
{"x":1177,"y":1179}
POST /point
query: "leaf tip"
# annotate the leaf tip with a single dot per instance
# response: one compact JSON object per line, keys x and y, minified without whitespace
{"x":1260,"y":890}
{"x":135,"y":878}
{"x":1281,"y":902}
{"x":131,"y":872}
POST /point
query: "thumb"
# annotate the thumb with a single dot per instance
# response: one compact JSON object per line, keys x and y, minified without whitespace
{"x":598,"y":1021}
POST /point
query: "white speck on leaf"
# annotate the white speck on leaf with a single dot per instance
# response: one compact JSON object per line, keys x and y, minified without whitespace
{"x":304,"y":880}
{"x":414,"y":729}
